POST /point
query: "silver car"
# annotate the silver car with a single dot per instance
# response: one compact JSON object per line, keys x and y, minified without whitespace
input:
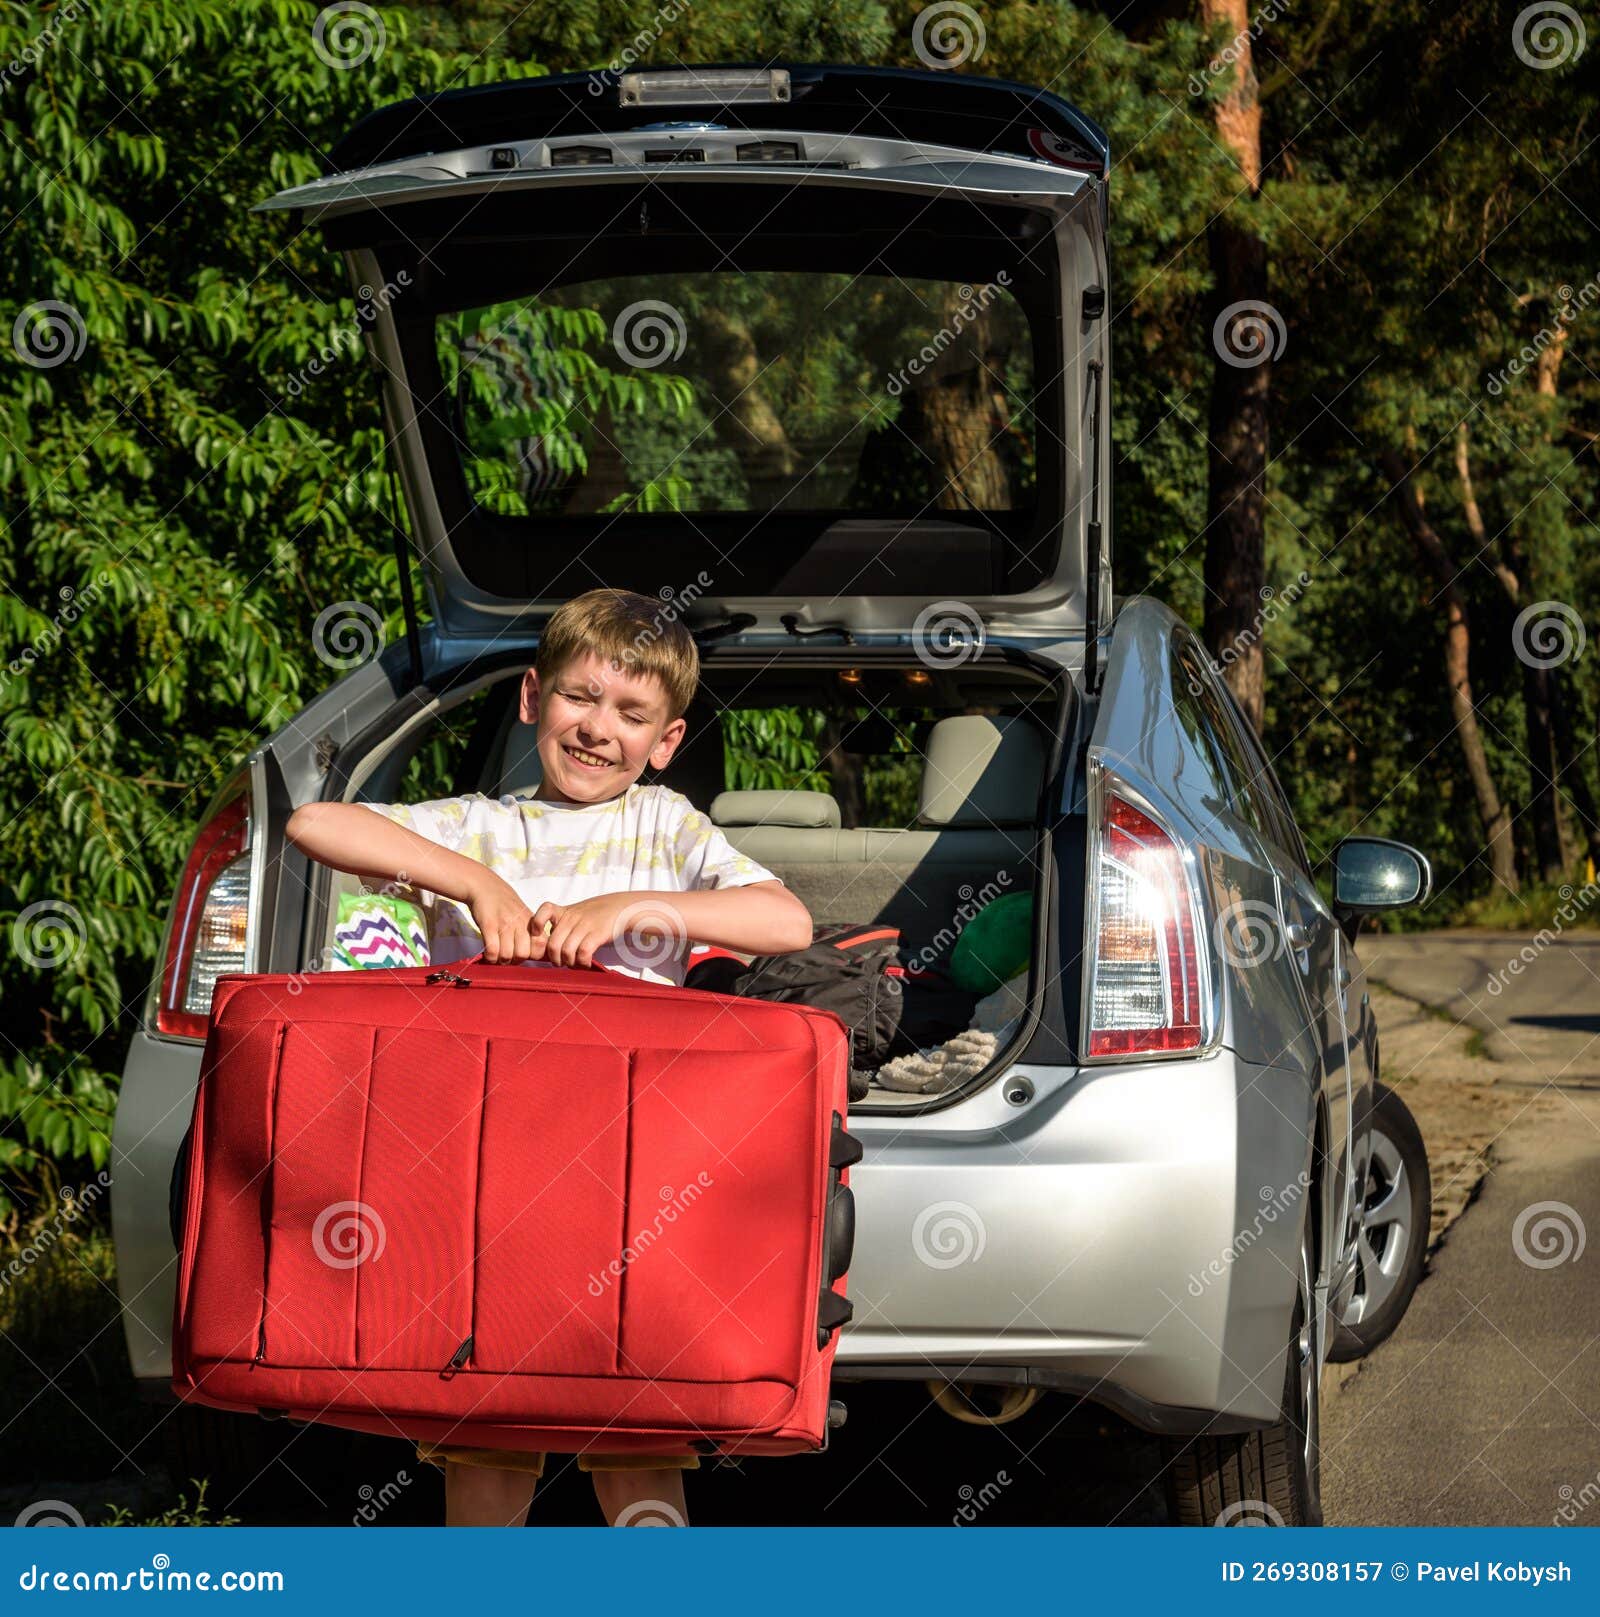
{"x":821,"y":357}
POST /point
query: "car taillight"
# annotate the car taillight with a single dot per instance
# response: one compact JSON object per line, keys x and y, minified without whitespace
{"x":210,"y":921}
{"x":1147,"y":989}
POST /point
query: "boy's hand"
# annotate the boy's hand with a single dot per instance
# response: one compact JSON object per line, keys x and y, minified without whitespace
{"x":504,"y":920}
{"x":577,"y":930}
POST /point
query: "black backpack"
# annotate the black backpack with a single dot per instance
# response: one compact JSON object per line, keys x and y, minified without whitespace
{"x":854,"y":971}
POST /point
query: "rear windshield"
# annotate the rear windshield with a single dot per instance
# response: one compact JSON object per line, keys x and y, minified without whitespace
{"x":753,"y":391}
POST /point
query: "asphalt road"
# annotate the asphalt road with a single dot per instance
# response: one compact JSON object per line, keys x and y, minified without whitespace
{"x":1537,"y":1006}
{"x":1484,"y":1407}
{"x":1485,"y":1404}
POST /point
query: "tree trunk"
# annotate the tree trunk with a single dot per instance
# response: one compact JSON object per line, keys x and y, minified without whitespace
{"x":1573,"y":764}
{"x":745,"y":419}
{"x":844,"y":772}
{"x":1551,"y":853}
{"x":1544,"y":806}
{"x":1241,"y":389}
{"x":1431,"y":550}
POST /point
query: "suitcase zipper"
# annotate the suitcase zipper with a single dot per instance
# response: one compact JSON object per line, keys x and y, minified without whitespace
{"x":457,"y":1359}
{"x":261,"y":1343}
{"x":448,"y":977}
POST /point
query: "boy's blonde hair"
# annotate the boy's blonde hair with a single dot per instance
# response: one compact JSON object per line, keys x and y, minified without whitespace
{"x":641,"y":634}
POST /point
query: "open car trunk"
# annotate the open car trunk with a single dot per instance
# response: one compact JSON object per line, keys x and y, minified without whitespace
{"x":881,"y":793}
{"x":785,"y":347}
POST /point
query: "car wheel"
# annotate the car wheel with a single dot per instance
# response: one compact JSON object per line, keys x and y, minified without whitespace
{"x":1271,"y":1477}
{"x":1394,"y":1231}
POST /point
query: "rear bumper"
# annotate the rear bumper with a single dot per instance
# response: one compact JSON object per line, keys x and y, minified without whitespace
{"x":1130,"y":1235}
{"x":154,"y":1106}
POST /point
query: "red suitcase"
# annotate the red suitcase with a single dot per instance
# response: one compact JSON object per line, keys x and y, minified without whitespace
{"x":518,"y":1207}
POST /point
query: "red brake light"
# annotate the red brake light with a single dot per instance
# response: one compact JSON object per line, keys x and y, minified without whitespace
{"x":209,"y":921}
{"x":1146,"y":988}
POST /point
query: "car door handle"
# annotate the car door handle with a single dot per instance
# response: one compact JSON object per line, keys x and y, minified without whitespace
{"x":1344,"y":976}
{"x":1299,"y":937}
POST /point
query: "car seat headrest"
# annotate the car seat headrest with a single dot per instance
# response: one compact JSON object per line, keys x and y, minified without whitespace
{"x":981,"y":771}
{"x":809,"y":811}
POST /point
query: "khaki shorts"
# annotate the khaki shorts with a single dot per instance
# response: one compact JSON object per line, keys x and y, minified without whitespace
{"x":532,"y":1460}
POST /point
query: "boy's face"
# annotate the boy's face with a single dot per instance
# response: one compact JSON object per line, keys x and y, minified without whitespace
{"x":599,"y":725}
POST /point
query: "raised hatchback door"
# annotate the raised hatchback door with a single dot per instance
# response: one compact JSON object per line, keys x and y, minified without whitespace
{"x":825,"y":345}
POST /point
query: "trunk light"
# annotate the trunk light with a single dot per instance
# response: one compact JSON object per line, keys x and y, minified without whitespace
{"x":702,"y":86}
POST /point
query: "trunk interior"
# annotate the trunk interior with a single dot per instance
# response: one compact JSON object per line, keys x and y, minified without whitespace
{"x":882,"y":791}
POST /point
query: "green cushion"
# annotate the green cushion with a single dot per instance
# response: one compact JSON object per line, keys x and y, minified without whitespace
{"x":995,"y":945}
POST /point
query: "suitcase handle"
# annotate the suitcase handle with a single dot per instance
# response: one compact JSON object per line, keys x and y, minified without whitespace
{"x":478,"y":960}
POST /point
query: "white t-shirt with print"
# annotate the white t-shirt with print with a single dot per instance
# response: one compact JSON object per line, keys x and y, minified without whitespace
{"x":650,"y":838}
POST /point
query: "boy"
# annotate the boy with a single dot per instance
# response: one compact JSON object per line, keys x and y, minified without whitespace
{"x":596,"y":867}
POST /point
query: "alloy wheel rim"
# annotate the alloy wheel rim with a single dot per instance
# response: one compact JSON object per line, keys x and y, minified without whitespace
{"x":1307,"y":1347}
{"x":1386,"y":1231}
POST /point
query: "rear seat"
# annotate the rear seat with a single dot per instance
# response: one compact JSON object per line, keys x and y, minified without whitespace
{"x":972,"y":841}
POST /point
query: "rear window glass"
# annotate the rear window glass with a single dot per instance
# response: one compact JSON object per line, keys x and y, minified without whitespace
{"x":755,"y":391}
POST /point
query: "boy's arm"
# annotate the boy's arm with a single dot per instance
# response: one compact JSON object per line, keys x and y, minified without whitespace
{"x":761,"y":917}
{"x":349,"y":837}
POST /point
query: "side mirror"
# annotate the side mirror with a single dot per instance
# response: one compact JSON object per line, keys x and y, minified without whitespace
{"x":1373,"y":873}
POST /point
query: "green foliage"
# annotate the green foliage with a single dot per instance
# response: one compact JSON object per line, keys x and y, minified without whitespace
{"x":773,"y":749}
{"x":193,"y":469}
{"x":182,"y":1514}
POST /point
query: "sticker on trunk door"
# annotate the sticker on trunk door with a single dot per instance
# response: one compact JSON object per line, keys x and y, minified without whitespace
{"x":1053,"y":149}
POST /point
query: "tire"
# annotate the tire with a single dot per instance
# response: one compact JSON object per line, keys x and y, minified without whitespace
{"x":1266,"y":1478}
{"x":1393,"y":1247}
